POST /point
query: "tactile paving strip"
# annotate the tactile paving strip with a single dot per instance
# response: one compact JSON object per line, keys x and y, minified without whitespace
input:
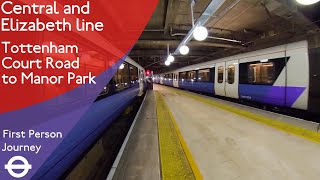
{"x":174,"y":162}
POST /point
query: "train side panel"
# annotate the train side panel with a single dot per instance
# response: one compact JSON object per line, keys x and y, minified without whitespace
{"x":297,"y":91}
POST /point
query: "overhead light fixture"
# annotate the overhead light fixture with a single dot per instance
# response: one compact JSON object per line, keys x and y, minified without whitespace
{"x":200,"y":33}
{"x":264,"y":60}
{"x":307,"y":2}
{"x":184,"y":50}
{"x":121,"y":66}
{"x":170,"y":58}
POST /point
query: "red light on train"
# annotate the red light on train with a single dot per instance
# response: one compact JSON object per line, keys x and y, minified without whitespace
{"x":148,"y":72}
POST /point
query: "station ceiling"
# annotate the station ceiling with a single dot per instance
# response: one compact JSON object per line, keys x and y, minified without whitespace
{"x":256,"y":23}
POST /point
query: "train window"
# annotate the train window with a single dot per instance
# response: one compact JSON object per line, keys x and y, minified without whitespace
{"x":122,"y":77}
{"x":261,"y":73}
{"x":183,"y":76}
{"x":191,"y":75}
{"x":204,"y":75}
{"x":231,"y":70}
{"x":134,"y":79}
{"x":220,"y":74}
{"x":133,"y":73}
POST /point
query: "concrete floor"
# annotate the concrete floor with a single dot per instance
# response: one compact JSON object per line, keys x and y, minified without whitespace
{"x":140,"y":158}
{"x":227,"y":146}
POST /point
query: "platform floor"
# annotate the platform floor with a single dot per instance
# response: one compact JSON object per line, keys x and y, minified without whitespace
{"x":139,"y":158}
{"x":228,"y":146}
{"x":224,"y":145}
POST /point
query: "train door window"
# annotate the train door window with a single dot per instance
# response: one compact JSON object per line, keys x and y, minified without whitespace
{"x":261,"y":73}
{"x":183,"y":76}
{"x":220,"y":74}
{"x":204,"y":75}
{"x":231,"y":70}
{"x":191,"y":76}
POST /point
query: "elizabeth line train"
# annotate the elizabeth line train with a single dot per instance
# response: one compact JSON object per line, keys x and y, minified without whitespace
{"x":128,"y":82}
{"x":285,"y":76}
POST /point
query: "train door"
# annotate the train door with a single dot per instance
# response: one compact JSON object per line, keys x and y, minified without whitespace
{"x":141,"y":80}
{"x":219,"y":85}
{"x":232,"y":79}
{"x":161,"y":78}
{"x":175,"y":80}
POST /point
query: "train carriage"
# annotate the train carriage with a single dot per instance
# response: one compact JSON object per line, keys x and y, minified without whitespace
{"x":281,"y":76}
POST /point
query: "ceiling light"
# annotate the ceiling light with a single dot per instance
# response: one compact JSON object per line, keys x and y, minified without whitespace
{"x":307,"y":2}
{"x":184,"y":50}
{"x":121,"y":66}
{"x":167,"y":62}
{"x":170,"y":58}
{"x":200,"y":33}
{"x":264,"y":60}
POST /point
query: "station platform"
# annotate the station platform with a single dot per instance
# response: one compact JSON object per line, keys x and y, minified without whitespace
{"x":183,"y":135}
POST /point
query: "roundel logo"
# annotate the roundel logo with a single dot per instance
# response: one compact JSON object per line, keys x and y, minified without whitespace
{"x":25,"y":166}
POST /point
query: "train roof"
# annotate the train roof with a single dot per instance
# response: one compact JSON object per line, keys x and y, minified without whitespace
{"x":132,"y":62}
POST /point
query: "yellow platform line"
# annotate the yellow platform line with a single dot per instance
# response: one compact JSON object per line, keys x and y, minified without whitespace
{"x":286,"y":127}
{"x":176,"y":160}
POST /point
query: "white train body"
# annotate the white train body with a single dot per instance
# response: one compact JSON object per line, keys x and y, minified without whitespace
{"x":279,"y":76}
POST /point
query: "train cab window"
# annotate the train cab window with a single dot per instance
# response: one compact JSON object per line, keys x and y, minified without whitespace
{"x":122,"y":78}
{"x":220,"y":74}
{"x":191,"y":76}
{"x":183,"y":76}
{"x":204,"y":75}
{"x":231,"y":70}
{"x":261,"y":73}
